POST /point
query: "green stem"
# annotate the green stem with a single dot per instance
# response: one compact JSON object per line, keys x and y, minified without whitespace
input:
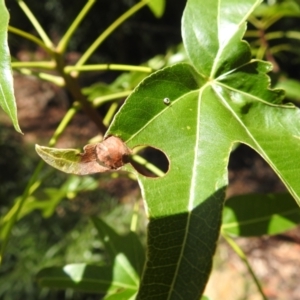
{"x":135,"y":216}
{"x":48,"y":65}
{"x":270,"y":21}
{"x":109,"y":30}
{"x":110,"y":113}
{"x":284,"y":47}
{"x":35,"y":24}
{"x":113,"y":67}
{"x":74,"y":88}
{"x":143,"y":162}
{"x":59,"y":81}
{"x":282,"y":34}
{"x":63,"y":124}
{"x":33,"y":184}
{"x":243,"y":257}
{"x":100,"y":100}
{"x":61,"y":48}
{"x":30,"y":37}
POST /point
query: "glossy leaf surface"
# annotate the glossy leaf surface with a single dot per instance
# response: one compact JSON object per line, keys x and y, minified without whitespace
{"x":7,"y":98}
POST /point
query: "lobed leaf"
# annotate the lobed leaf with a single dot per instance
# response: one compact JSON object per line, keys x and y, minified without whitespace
{"x":222,"y":100}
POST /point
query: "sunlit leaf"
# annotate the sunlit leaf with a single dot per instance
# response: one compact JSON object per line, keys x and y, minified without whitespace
{"x":114,"y":243}
{"x":7,"y":98}
{"x":222,"y":100}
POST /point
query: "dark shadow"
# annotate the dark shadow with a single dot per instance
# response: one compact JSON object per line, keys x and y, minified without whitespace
{"x":180,"y":251}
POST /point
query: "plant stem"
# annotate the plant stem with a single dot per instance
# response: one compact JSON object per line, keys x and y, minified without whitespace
{"x":30,"y":37}
{"x":63,"y":124}
{"x":100,"y":100}
{"x":143,"y":162}
{"x":74,"y":88}
{"x":243,"y":257}
{"x":109,"y":30}
{"x":135,"y":216}
{"x":35,"y":24}
{"x":113,"y":67}
{"x":110,"y":114}
{"x":59,"y":81}
{"x":48,"y":65}
{"x":62,"y":45}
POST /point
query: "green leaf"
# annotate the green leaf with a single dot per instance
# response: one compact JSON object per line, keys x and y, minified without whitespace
{"x":88,"y":278}
{"x":255,"y":215}
{"x":212,"y":35}
{"x":78,"y":276}
{"x":7,"y":98}
{"x":184,"y":206}
{"x":117,"y":280}
{"x":226,"y":100}
{"x":157,"y":7}
{"x":129,"y":245}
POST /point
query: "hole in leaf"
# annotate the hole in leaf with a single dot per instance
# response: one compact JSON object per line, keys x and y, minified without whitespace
{"x":249,"y":173}
{"x":149,"y":161}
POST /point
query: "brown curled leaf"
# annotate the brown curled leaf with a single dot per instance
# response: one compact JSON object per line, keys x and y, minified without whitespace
{"x":110,"y":154}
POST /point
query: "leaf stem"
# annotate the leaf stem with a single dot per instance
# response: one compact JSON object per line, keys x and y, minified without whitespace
{"x":51,"y":78}
{"x":109,"y":30}
{"x":100,"y":100}
{"x":30,"y":37}
{"x":110,"y":113}
{"x":73,"y":86}
{"x":113,"y":67}
{"x":48,"y":65}
{"x":63,"y":124}
{"x":236,"y":248}
{"x":35,"y":24}
{"x":62,"y":45}
{"x":143,"y":162}
{"x":135,"y":216}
